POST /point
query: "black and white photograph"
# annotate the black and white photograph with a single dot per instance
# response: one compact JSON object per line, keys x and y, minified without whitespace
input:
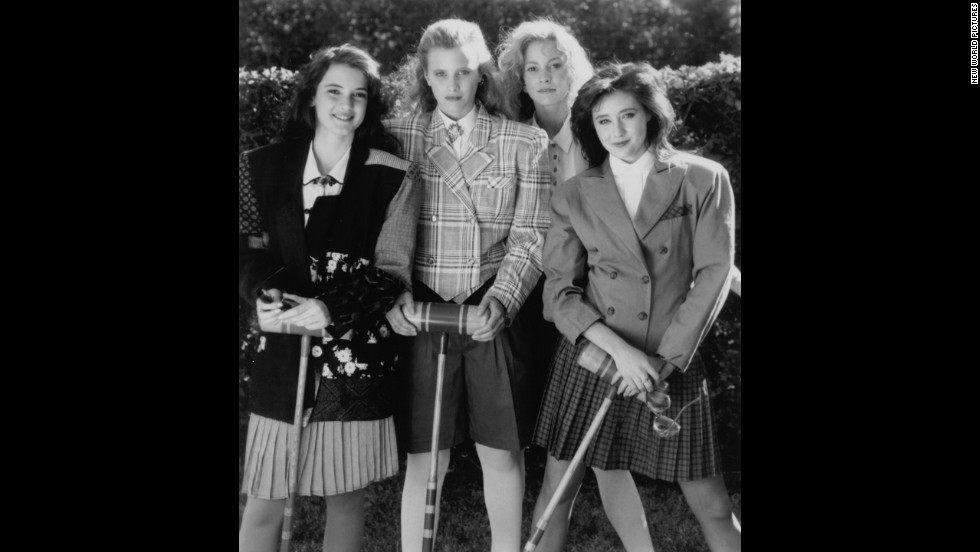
{"x":489,"y":275}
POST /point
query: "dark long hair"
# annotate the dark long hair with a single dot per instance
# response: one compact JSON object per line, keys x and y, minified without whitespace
{"x":644,"y":83}
{"x":300,"y":122}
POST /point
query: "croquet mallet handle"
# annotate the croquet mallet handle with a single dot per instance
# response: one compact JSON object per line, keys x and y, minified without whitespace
{"x":601,"y":363}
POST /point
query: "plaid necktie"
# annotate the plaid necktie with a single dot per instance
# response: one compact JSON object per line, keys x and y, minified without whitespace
{"x":455,"y":131}
{"x":326,"y":181}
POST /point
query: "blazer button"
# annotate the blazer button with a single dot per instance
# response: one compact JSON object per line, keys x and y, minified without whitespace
{"x":614,"y":275}
{"x":663,"y":250}
{"x":642,"y":316}
{"x":435,"y":218}
{"x":646,"y":279}
{"x":611,"y":310}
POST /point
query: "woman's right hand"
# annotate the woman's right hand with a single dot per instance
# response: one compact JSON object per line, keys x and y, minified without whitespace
{"x":639,"y":374}
{"x":396,"y":317}
{"x":268,"y":311}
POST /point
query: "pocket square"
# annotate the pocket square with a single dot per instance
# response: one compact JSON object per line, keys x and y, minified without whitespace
{"x":677,"y":211}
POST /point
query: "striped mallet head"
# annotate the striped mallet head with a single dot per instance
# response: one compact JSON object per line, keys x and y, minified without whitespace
{"x":600,"y":363}
{"x":446,"y":317}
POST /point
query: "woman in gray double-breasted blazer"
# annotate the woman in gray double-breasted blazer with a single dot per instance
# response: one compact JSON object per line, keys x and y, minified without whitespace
{"x":638,"y":260}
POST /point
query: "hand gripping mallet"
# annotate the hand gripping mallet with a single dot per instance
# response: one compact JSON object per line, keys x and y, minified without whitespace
{"x":597,"y":361}
{"x":294,"y":430}
{"x":446,"y":318}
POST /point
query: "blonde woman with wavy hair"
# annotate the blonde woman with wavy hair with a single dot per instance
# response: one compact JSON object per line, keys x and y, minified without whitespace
{"x":522,"y":79}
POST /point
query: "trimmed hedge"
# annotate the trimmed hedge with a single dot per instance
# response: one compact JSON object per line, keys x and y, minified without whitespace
{"x":707,"y":100}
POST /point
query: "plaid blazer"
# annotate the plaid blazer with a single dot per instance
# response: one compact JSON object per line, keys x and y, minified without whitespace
{"x":483,"y":215}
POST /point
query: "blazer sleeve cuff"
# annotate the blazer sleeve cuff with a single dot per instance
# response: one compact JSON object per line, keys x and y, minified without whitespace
{"x":511,"y":307}
{"x":680,"y":360}
{"x":572,"y":326}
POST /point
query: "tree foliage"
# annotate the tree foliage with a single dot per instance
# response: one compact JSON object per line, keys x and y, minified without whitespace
{"x":282,"y":33}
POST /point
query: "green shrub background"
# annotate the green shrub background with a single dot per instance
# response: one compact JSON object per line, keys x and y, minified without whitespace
{"x":282,"y":33}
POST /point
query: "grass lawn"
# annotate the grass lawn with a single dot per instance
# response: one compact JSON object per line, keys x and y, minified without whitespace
{"x":463,"y":524}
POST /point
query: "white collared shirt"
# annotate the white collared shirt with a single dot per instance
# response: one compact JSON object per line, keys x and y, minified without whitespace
{"x":468,"y":122}
{"x":310,"y":172}
{"x":564,"y":153}
{"x":631,"y":178}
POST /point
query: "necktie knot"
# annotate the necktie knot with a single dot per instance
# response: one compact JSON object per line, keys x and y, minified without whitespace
{"x":454,"y":131}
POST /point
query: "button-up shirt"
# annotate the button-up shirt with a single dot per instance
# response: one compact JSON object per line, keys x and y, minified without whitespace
{"x":313,"y":191}
{"x":564,"y":154}
{"x":462,"y":144}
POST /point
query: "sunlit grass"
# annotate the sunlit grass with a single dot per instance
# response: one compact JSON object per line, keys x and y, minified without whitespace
{"x":463,"y":526}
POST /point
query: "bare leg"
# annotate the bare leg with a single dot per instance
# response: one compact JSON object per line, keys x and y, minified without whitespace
{"x":344,"y":529}
{"x":413,"y":497}
{"x":623,"y":507}
{"x":708,"y":499}
{"x":261,"y":528}
{"x":503,"y":490}
{"x":556,"y":534}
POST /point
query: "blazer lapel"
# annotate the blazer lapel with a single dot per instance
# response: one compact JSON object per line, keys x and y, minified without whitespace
{"x":477,"y":160}
{"x":661,"y":188}
{"x":604,"y":198}
{"x":449,"y":167}
{"x":288,"y":213}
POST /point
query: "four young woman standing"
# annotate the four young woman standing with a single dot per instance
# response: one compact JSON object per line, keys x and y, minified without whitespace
{"x":636,"y":227}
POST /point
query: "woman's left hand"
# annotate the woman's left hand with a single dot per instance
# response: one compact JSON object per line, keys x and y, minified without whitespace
{"x":494,"y":324}
{"x":309,"y":313}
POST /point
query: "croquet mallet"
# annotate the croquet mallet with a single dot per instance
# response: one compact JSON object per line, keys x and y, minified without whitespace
{"x":445,"y":318}
{"x":600,"y":363}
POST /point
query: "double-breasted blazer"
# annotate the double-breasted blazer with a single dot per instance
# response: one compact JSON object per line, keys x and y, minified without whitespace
{"x":483,"y":215}
{"x":658,"y":280}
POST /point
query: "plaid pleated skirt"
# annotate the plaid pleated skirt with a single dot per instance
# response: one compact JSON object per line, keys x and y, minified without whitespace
{"x":334,"y":457}
{"x":625,"y":440}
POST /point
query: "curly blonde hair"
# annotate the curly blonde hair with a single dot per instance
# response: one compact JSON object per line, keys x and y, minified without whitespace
{"x":510,"y":59}
{"x":451,"y":33}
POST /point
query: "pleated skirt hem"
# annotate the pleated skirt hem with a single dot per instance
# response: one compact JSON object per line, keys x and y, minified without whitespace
{"x":334,"y":457}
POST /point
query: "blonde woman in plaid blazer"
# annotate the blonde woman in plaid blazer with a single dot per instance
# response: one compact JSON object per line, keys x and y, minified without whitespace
{"x":480,"y":234}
